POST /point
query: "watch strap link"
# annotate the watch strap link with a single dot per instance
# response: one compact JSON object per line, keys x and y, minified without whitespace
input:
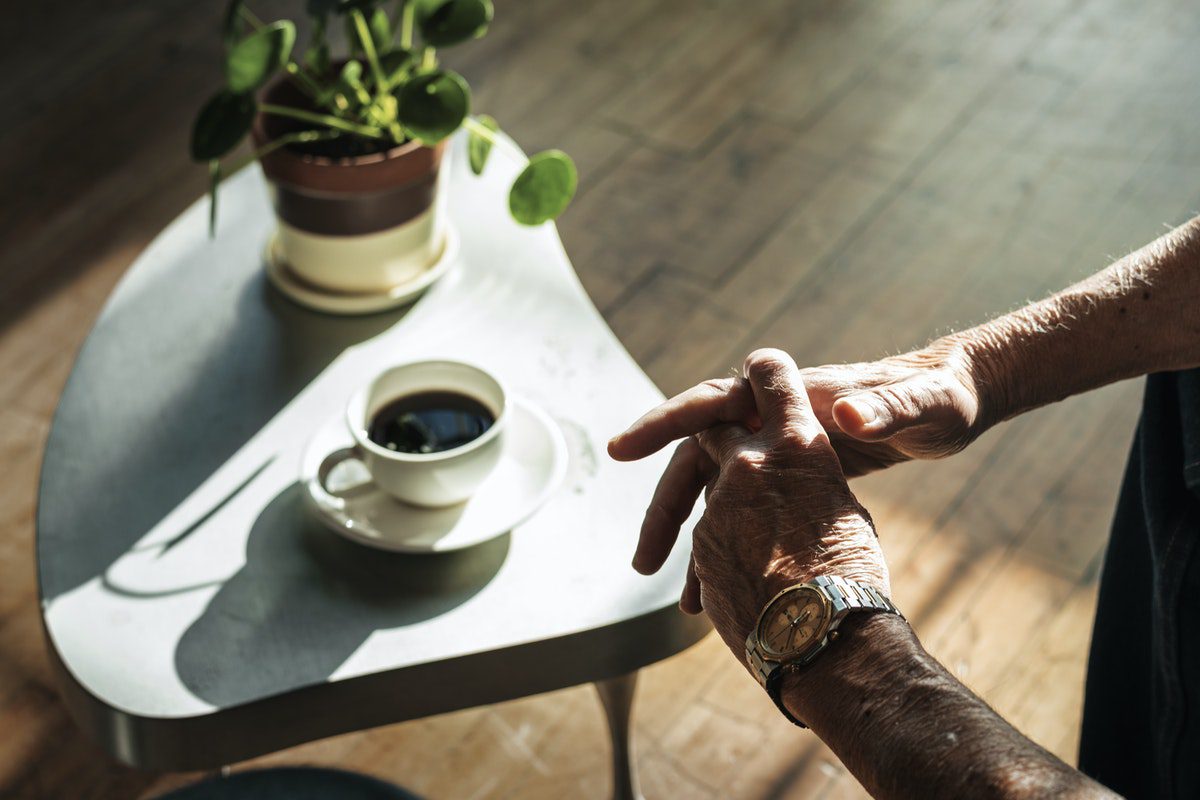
{"x":850,"y":596}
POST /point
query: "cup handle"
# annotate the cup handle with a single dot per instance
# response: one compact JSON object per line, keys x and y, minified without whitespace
{"x":331,"y":461}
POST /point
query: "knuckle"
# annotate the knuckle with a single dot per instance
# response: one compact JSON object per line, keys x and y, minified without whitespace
{"x":744,"y":463}
{"x":657,"y":512}
{"x":687,"y":450}
{"x":762,"y":364}
{"x":717,"y":386}
{"x":802,"y":436}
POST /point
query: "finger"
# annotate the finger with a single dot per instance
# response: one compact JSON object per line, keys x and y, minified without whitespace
{"x":689,"y":601}
{"x":723,"y":442}
{"x":885,"y":411}
{"x":778,"y":388}
{"x":707,"y":404}
{"x":674,"y":498}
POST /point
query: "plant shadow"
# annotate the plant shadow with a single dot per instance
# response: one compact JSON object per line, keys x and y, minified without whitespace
{"x":163,"y":437}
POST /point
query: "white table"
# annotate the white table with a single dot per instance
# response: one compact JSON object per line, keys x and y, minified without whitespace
{"x":199,"y":615}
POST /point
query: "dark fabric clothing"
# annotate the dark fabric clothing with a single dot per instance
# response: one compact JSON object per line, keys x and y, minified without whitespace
{"x":1141,"y":718}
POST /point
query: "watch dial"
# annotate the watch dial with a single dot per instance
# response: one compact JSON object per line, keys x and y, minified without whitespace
{"x":793,"y":622}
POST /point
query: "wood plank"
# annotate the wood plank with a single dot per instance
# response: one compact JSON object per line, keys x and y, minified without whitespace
{"x":840,"y":178}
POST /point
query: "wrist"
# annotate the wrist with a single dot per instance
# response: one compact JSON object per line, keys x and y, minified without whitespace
{"x":876,"y":656}
{"x":985,"y":364}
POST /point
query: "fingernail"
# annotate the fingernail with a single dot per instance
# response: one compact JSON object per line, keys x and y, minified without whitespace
{"x":865,"y":411}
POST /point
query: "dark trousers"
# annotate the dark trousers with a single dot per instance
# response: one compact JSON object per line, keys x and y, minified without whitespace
{"x":1141,"y":719}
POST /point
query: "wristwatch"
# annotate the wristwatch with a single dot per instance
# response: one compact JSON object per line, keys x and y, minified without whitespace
{"x":797,"y":625}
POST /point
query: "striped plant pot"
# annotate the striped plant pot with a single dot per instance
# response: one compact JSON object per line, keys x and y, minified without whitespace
{"x":362,"y":224}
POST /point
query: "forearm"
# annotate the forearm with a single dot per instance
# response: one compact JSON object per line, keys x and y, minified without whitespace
{"x":1138,"y":316}
{"x":906,"y":728}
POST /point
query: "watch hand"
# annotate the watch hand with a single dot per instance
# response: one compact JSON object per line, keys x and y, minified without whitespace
{"x":800,"y":619}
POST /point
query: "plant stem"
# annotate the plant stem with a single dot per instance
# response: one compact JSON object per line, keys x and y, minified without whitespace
{"x":215,"y":172}
{"x":305,"y":82}
{"x":368,"y":46}
{"x":327,"y":120}
{"x":428,"y":59}
{"x":254,"y":21}
{"x":479,"y":129}
{"x":283,"y":141}
{"x":484,"y":132}
{"x":214,"y":179}
{"x":407,"y":17}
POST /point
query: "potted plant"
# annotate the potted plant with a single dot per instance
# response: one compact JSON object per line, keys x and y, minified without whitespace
{"x":352,"y":147}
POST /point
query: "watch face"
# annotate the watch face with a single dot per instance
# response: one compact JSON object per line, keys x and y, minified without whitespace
{"x":793,"y":622}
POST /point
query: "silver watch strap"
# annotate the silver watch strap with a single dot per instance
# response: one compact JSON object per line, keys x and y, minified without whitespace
{"x":849,"y":596}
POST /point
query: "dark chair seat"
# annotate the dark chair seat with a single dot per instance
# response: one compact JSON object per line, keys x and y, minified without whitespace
{"x":292,"y":783}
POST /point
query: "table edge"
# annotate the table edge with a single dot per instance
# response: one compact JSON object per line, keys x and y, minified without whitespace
{"x":237,"y":733}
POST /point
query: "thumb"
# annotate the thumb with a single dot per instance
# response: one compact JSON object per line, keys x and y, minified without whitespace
{"x":879,"y":413}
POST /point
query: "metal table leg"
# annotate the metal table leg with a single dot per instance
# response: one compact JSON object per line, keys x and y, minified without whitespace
{"x":616,"y":695}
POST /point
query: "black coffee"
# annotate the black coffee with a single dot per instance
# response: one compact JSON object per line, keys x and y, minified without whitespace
{"x":429,"y":422}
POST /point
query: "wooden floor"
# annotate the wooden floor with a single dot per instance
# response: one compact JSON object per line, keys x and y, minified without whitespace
{"x":840,"y":178}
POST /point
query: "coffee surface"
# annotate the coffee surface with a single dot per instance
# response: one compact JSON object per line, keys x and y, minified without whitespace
{"x":430,"y":422}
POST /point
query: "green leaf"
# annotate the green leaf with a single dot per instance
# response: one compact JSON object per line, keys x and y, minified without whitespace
{"x":351,"y":78}
{"x":232,"y":23}
{"x":316,"y":56}
{"x":381,"y":29}
{"x":544,"y":188}
{"x":479,"y":148}
{"x":395,"y":62}
{"x":221,"y":124}
{"x":317,"y":59}
{"x":252,"y":61}
{"x":446,"y":22}
{"x":433,"y":105}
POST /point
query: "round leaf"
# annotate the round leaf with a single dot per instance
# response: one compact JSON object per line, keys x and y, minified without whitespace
{"x":252,"y":61}
{"x":433,"y":105}
{"x":446,"y":22}
{"x":544,"y":189}
{"x":479,"y":148}
{"x":221,"y":124}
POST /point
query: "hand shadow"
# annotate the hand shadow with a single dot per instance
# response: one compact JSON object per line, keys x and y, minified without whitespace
{"x":307,"y":599}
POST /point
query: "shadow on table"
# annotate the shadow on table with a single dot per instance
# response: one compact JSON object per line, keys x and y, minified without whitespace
{"x":163,"y":396}
{"x":306,"y":600}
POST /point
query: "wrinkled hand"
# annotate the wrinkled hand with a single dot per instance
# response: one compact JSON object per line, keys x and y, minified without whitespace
{"x":778,"y":510}
{"x":919,"y":405}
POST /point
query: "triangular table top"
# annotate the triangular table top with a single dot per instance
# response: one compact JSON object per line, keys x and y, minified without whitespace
{"x":199,"y":614}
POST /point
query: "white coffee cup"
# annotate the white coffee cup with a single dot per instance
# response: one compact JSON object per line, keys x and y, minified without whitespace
{"x":424,"y":479}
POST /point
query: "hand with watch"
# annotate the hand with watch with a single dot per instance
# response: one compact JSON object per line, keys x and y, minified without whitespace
{"x":784,"y":550}
{"x":798,"y":624}
{"x":787,"y":566}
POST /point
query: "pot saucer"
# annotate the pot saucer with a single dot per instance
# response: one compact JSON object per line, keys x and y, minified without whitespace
{"x":331,"y":302}
{"x":532,"y":466}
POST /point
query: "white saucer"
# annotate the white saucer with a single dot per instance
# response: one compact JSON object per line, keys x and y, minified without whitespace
{"x":319,"y":299}
{"x":531,"y":467}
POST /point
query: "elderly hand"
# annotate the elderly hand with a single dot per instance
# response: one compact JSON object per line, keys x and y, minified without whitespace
{"x":923,"y":404}
{"x":778,"y":510}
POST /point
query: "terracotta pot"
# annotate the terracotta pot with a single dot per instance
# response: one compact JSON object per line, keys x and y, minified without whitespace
{"x":361,"y":224}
